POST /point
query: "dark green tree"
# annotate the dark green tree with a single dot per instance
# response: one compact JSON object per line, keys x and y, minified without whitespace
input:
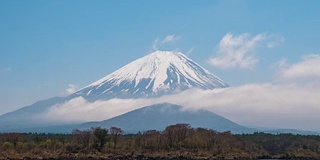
{"x":100,"y":137}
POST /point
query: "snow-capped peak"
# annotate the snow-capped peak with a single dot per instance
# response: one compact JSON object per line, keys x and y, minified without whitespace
{"x":155,"y":74}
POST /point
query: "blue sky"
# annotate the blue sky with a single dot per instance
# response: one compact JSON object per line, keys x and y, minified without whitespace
{"x":47,"y":45}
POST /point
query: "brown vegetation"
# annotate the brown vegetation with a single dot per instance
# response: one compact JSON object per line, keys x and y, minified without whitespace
{"x":178,"y":141}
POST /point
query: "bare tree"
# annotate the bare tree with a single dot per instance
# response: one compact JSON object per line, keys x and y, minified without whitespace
{"x":115,"y":133}
{"x":82,"y":137}
{"x":176,"y":134}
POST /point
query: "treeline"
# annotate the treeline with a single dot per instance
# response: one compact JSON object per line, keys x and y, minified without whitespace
{"x":180,"y":140}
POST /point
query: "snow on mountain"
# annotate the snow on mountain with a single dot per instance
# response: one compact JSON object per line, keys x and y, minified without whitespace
{"x":161,"y":72}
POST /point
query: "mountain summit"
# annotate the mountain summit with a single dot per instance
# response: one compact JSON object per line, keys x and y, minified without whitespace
{"x":156,"y":74}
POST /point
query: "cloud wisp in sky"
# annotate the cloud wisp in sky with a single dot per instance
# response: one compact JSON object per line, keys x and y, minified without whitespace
{"x":5,"y":70}
{"x":169,"y":39}
{"x":275,"y":40}
{"x":188,"y":53}
{"x":72,"y":88}
{"x":239,"y":51}
{"x":155,"y":44}
{"x":307,"y":69}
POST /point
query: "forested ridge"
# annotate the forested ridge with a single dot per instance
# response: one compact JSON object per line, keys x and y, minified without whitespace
{"x":179,"y":141}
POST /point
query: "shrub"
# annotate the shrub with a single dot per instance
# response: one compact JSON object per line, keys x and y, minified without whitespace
{"x":8,"y":145}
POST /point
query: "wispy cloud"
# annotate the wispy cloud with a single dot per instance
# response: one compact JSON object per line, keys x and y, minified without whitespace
{"x":239,"y":51}
{"x":308,"y":68}
{"x":189,"y":51}
{"x":275,"y":40}
{"x":5,"y":70}
{"x":155,"y":44}
{"x":169,"y":39}
{"x":72,"y":88}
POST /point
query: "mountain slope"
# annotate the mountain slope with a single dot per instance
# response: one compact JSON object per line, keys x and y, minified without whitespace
{"x":159,"y":116}
{"x":161,"y":72}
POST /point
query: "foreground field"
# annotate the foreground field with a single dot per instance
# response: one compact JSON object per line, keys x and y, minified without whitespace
{"x":178,"y":141}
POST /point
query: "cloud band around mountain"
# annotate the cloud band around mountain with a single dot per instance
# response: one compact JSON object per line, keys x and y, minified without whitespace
{"x":265,"y":105}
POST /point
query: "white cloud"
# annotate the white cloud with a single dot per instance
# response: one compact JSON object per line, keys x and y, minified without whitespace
{"x":307,"y":69}
{"x":170,"y":39}
{"x":81,"y":110}
{"x":265,"y":105}
{"x":72,"y":88}
{"x":5,"y":70}
{"x":239,"y":51}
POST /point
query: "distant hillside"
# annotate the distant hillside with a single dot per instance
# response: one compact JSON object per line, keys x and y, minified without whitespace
{"x":158,"y":116}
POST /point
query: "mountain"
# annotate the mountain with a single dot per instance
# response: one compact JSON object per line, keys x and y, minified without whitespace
{"x":159,"y":116}
{"x":156,"y":74}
